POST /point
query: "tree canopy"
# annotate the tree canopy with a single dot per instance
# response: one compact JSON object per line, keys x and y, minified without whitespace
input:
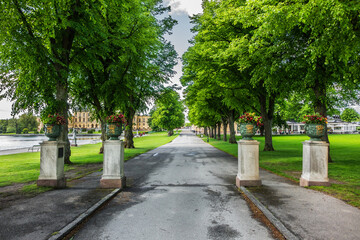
{"x":105,"y":55}
{"x":350,"y":115}
{"x":169,"y":111}
{"x":256,"y":55}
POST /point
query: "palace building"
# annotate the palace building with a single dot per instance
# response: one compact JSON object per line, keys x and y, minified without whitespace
{"x":84,"y":120}
{"x":141,"y":123}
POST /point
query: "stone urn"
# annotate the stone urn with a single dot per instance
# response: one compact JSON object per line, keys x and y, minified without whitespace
{"x":52,"y":131}
{"x":247,"y":131}
{"x":113,"y":130}
{"x":315,"y":131}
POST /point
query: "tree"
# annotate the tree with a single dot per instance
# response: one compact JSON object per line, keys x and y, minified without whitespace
{"x":136,"y":65}
{"x":321,"y":40}
{"x":28,"y":121}
{"x":169,"y":111}
{"x":226,"y":57}
{"x":153,"y":127}
{"x":349,"y":115}
{"x":39,"y":42}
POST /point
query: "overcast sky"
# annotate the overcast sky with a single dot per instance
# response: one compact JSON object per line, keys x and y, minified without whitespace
{"x":181,"y":9}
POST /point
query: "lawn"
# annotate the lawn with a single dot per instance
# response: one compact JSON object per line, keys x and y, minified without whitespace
{"x":286,"y":160}
{"x":25,"y":167}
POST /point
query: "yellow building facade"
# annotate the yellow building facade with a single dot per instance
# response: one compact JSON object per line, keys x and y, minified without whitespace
{"x":141,"y":123}
{"x":84,"y":120}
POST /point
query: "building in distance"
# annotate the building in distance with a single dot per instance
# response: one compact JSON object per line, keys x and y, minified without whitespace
{"x":83,"y":120}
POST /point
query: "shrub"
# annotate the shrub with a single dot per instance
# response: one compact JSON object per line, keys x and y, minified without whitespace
{"x":25,"y":131}
{"x":10,"y":130}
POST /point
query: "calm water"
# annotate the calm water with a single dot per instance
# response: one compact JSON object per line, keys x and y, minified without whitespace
{"x":15,"y":142}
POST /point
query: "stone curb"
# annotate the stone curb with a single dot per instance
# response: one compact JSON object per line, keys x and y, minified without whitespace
{"x":68,"y":228}
{"x":276,"y":222}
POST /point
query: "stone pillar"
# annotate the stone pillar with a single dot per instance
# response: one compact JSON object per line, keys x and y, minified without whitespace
{"x":248,"y":163}
{"x":315,"y":164}
{"x":52,"y":164}
{"x":113,"y":170}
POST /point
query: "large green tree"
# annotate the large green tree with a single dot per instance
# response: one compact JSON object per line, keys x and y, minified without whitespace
{"x":321,"y":40}
{"x":350,"y":115}
{"x":138,"y":62}
{"x":39,"y":42}
{"x":169,"y":113}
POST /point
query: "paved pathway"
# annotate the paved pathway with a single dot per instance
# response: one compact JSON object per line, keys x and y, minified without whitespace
{"x":182,"y":190}
{"x":307,"y":213}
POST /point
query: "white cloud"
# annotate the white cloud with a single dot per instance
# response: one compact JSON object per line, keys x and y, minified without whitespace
{"x":191,"y":7}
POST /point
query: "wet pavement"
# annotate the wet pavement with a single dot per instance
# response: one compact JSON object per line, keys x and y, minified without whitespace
{"x":307,"y":213}
{"x":182,"y":190}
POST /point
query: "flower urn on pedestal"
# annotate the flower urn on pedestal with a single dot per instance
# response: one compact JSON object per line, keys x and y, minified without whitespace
{"x":315,"y":126}
{"x":53,"y":125}
{"x":114,"y":126}
{"x":248,"y":151}
{"x":248,"y":125}
{"x":52,"y":153}
{"x":315,"y":153}
{"x":113,"y":169}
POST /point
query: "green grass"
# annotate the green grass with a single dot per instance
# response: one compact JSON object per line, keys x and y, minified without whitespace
{"x":25,"y":167}
{"x":286,"y":161}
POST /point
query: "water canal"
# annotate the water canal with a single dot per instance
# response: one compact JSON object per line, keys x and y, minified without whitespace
{"x":8,"y":142}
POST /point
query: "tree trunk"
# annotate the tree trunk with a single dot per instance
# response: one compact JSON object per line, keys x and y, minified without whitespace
{"x":320,"y":107}
{"x":170,"y":132}
{"x":224,"y":122}
{"x":61,"y":97}
{"x":267,"y":105}
{"x":103,"y":136}
{"x":219,"y":128}
{"x":129,"y":136}
{"x":206,"y":131}
{"x":214,"y":136}
{"x":232,"y":138}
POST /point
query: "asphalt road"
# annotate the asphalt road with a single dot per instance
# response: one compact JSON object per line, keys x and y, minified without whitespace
{"x":182,"y":190}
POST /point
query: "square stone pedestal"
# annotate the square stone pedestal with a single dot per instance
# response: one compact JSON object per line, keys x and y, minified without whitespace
{"x":113,"y":170}
{"x":248,"y":163}
{"x":315,"y":164}
{"x":52,"y":164}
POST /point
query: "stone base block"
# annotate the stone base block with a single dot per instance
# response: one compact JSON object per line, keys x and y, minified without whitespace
{"x":249,"y":183}
{"x":113,"y":183}
{"x":307,"y":183}
{"x":56,"y":183}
